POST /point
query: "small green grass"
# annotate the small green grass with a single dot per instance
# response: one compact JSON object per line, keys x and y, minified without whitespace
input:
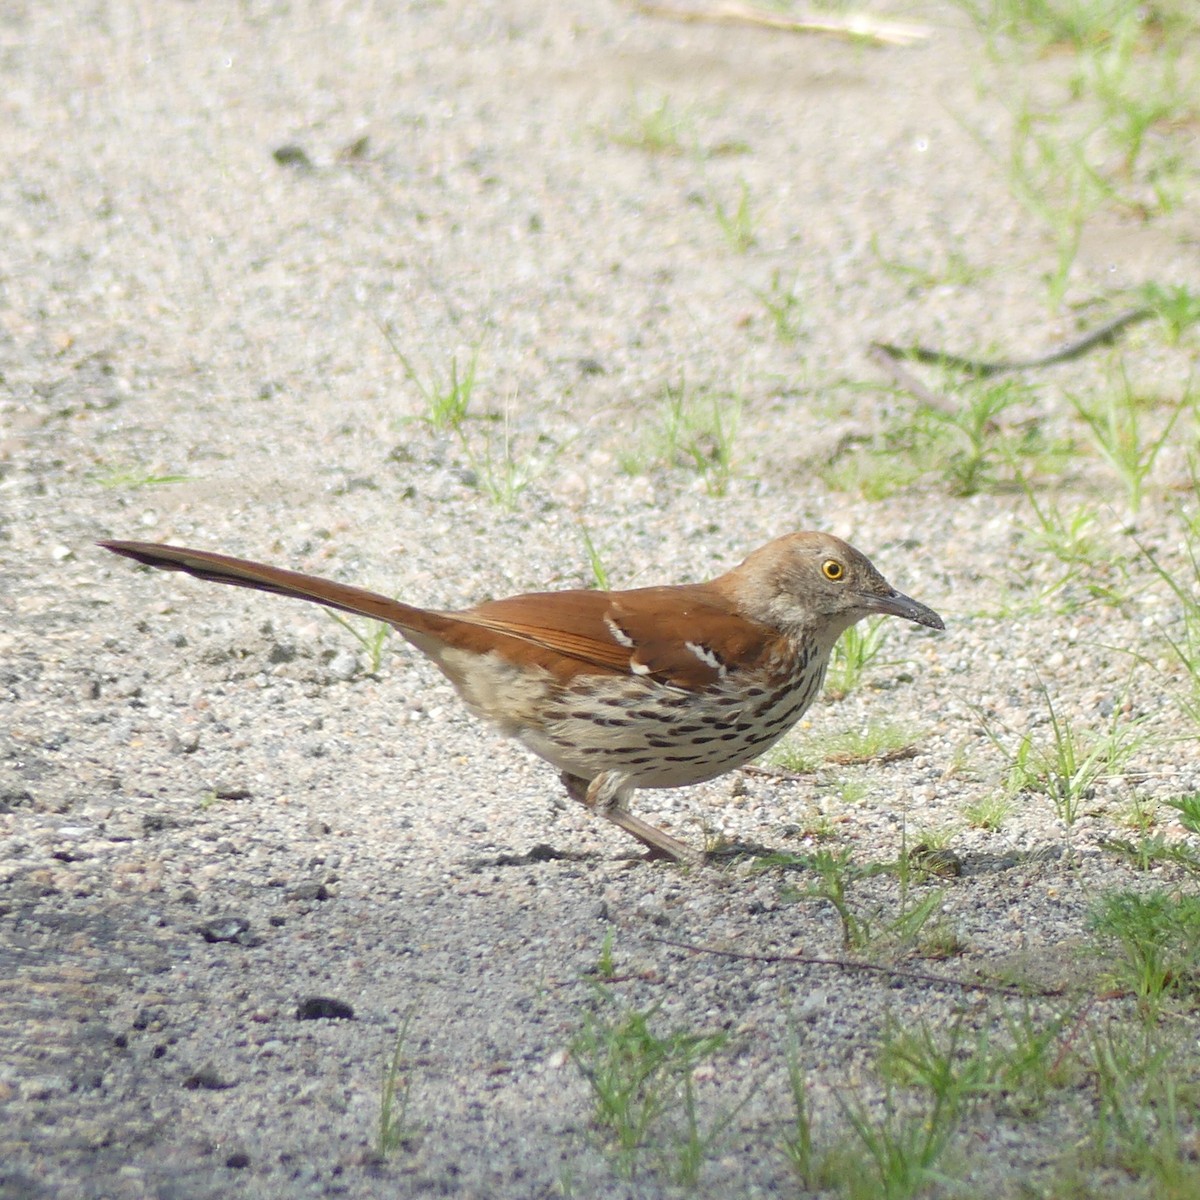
{"x":976,"y":446}
{"x":910,"y":923}
{"x":1150,"y":945}
{"x":1070,"y":535}
{"x":129,"y":477}
{"x":695,"y":431}
{"x":736,"y":221}
{"x":1075,"y":24}
{"x":1146,"y":1111}
{"x":835,"y":872}
{"x":643,"y":1087}
{"x":1107,"y":133}
{"x":501,"y":471}
{"x":1188,"y":810}
{"x":990,"y":811}
{"x":1181,"y":635}
{"x":395,"y":1132}
{"x":1065,"y":762}
{"x":1152,"y":848}
{"x":372,"y":637}
{"x":855,"y":651}
{"x":874,"y":742}
{"x":1177,"y":308}
{"x":784,"y":306}
{"x":798,"y":1140}
{"x":596,"y":563}
{"x":447,"y":393}
{"x":654,"y":125}
{"x":1116,"y":422}
{"x":1012,"y":1059}
{"x":952,"y":269}
{"x":966,"y":447}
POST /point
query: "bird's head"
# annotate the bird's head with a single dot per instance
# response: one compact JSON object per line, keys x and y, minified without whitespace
{"x":816,"y":583}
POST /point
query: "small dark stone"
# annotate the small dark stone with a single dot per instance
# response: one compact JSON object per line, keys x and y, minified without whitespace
{"x":238,"y":1160}
{"x":224,"y":929}
{"x":68,"y":855}
{"x":188,"y":744}
{"x":983,"y":864}
{"x":291,"y":155}
{"x":208,"y":1080}
{"x":20,"y":1186}
{"x":282,"y":652}
{"x":14,"y":798}
{"x":356,"y":149}
{"x":310,"y":891}
{"x":538,"y":853}
{"x":148,"y":1018}
{"x":318,"y":1008}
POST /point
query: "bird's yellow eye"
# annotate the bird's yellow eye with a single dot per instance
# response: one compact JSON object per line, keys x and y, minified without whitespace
{"x":832,"y":569}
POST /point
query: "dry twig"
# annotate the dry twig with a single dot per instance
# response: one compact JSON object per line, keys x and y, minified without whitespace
{"x":851,"y":964}
{"x":858,"y":26}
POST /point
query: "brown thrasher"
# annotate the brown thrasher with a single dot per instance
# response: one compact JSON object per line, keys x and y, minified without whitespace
{"x":655,"y":687}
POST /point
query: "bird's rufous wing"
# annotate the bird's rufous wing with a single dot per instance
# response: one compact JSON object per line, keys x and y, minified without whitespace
{"x":679,"y":636}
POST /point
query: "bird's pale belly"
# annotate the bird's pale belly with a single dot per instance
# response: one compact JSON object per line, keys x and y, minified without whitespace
{"x":662,"y":737}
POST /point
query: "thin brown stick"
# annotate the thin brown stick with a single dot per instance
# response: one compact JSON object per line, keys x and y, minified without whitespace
{"x":857,"y":27}
{"x":1070,"y":1039}
{"x":905,"y":380}
{"x":883,"y":352}
{"x":776,"y":773}
{"x":850,"y":964}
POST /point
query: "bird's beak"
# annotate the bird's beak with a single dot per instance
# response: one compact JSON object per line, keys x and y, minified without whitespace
{"x":896,"y":604}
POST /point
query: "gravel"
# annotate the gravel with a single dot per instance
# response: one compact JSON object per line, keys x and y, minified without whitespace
{"x":234,"y":859}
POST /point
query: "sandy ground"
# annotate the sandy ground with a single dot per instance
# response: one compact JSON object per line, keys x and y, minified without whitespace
{"x":203,"y":339}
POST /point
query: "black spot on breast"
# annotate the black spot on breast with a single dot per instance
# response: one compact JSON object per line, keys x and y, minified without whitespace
{"x":778,"y":696}
{"x":583,"y":715}
{"x":788,"y":717}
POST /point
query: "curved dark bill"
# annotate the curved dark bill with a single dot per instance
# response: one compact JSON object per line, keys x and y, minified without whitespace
{"x":896,"y":604}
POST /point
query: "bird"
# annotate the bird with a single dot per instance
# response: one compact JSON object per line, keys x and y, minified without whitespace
{"x":652,"y":687}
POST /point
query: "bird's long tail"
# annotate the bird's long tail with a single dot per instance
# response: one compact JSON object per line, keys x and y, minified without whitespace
{"x":241,"y":572}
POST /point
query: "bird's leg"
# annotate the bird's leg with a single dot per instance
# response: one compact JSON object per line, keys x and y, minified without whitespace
{"x":607,"y":796}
